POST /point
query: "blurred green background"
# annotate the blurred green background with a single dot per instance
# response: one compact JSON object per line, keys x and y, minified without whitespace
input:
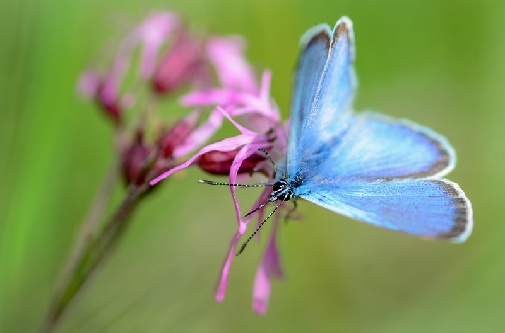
{"x":439,"y":63}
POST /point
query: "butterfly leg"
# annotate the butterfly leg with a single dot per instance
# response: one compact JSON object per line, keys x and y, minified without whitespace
{"x":290,"y":212}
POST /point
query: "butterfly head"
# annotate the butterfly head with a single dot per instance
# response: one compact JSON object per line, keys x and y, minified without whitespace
{"x":281,"y":191}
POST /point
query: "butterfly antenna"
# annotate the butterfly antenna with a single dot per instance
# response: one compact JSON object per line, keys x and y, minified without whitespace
{"x":210,"y":182}
{"x":257,"y":208}
{"x":268,"y":155}
{"x":256,"y":231}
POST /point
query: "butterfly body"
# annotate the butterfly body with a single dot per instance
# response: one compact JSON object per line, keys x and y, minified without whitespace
{"x":366,"y":166}
{"x":282,"y":190}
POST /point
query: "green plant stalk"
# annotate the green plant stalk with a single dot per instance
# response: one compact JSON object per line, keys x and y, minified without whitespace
{"x":88,"y":255}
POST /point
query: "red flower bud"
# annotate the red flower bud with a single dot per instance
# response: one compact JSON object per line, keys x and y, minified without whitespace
{"x":180,"y":64}
{"x":104,"y":90}
{"x":219,"y":162}
{"x":134,"y":160}
{"x":174,"y":137}
{"x":110,"y":102}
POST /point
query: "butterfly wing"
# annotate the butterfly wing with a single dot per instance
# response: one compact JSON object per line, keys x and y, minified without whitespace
{"x":368,"y":167}
{"x":324,"y":85}
{"x":377,"y":147}
{"x":426,"y":208}
{"x":384,"y":171}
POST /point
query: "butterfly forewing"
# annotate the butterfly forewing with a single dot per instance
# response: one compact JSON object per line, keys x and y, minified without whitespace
{"x":315,"y":45}
{"x":377,"y":147}
{"x":323,"y":90}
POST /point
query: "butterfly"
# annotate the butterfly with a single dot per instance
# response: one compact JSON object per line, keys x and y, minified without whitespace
{"x":366,"y":166}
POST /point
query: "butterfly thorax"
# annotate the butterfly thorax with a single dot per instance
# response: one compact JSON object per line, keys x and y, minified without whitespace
{"x":281,"y":191}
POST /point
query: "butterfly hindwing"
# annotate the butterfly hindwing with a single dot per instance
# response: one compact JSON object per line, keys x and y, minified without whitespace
{"x":426,"y":208}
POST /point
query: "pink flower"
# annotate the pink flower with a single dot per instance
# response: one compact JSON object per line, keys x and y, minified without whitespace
{"x":255,"y":109}
{"x":150,"y":36}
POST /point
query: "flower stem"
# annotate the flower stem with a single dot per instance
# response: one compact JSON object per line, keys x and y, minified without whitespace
{"x":90,"y":251}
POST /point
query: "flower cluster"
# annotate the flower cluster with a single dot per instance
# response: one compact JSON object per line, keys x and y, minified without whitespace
{"x":222,"y":83}
{"x":239,"y":155}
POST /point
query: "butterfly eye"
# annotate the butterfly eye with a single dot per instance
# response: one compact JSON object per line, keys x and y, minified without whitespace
{"x":279,"y":186}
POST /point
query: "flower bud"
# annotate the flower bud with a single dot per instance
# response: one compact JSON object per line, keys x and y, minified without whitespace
{"x":180,"y":64}
{"x":219,"y":162}
{"x":174,"y":137}
{"x":134,"y":160}
{"x":104,"y":90}
{"x":109,"y":100}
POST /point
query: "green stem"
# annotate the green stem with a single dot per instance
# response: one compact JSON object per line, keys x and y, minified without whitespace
{"x":88,"y":255}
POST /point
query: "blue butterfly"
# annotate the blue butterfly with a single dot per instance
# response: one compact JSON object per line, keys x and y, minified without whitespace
{"x":366,"y":166}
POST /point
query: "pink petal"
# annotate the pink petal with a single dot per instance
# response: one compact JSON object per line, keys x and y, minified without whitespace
{"x":262,"y":102}
{"x":282,"y":133}
{"x":261,"y":291}
{"x":88,"y":84}
{"x":270,"y":267}
{"x":265,"y":85}
{"x":252,"y":103}
{"x":241,"y":128}
{"x":233,"y":70}
{"x":215,"y":96}
{"x":225,"y":271}
{"x":200,"y":135}
{"x":153,"y":33}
